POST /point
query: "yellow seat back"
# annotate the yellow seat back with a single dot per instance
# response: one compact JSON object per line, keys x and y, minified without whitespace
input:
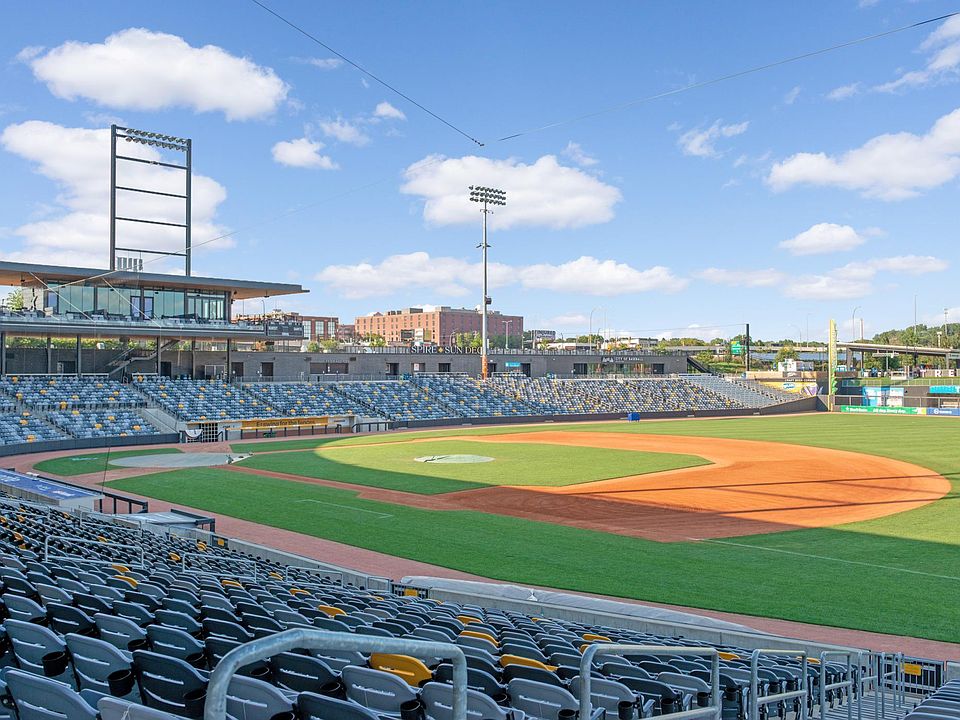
{"x":330,"y":610}
{"x":409,"y":669}
{"x":481,"y":635}
{"x":528,"y":662}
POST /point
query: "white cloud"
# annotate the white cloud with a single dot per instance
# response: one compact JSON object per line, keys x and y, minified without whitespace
{"x":544,"y":193}
{"x":344,"y":131}
{"x":303,"y":153}
{"x":791,"y":97}
{"x":888,"y":167}
{"x":29,"y":53}
{"x":325,"y":63}
{"x":857,"y":279}
{"x":741,"y":278}
{"x":844,"y":91}
{"x":449,"y":276}
{"x":574,"y":152}
{"x":387,"y":111}
{"x":599,"y":277}
{"x":77,"y":232}
{"x":702,"y":332}
{"x":568,"y":320}
{"x":701,"y":142}
{"x":943,"y":61}
{"x":867,"y":3}
{"x":823,"y":238}
{"x":137,"y":69}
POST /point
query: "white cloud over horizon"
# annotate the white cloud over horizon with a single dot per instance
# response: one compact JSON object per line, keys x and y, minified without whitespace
{"x":575,"y":153}
{"x":543,"y":193}
{"x":857,"y":279}
{"x":138,"y":69}
{"x":302,"y":153}
{"x":943,"y":61}
{"x":449,"y":276}
{"x":767,"y":277}
{"x":823,"y":238}
{"x":893,"y":166}
{"x":701,"y":142}
{"x":344,"y":131}
{"x":76,"y":228}
{"x":386,"y":111}
{"x":844,"y":91}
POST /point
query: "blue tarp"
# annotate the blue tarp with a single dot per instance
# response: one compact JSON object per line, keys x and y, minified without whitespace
{"x":42,"y":487}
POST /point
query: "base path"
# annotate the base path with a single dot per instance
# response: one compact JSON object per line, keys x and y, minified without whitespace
{"x":751,"y":487}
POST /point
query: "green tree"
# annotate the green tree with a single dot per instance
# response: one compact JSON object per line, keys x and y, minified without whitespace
{"x":329,"y":344}
{"x":375,"y":340}
{"x":786,"y":352}
{"x":14,"y":300}
{"x":313,"y":346}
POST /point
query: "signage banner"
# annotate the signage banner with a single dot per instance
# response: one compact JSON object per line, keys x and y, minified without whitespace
{"x":883,"y":396}
{"x":955,"y":412}
{"x":512,"y":364}
{"x":882,"y":410}
{"x":945,"y":389}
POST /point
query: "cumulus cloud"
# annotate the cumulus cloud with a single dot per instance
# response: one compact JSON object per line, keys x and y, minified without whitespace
{"x":345,"y":132}
{"x":823,"y":238}
{"x":575,"y":153}
{"x":76,"y":230}
{"x":791,"y":97}
{"x":844,"y":91}
{"x":700,"y":142}
{"x":457,"y":277}
{"x":599,"y":277}
{"x":888,"y":167}
{"x":543,"y":193}
{"x":386,"y":111}
{"x":857,"y":279}
{"x":943,"y":59}
{"x":137,"y":69}
{"x":302,"y":153}
{"x":567,"y":320}
{"x":741,"y":278}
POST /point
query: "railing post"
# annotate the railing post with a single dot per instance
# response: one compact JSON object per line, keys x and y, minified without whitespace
{"x":754,"y":703}
{"x":215,"y":707}
{"x":586,"y":668}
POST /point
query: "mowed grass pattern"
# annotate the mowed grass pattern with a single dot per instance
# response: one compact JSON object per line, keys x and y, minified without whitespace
{"x":897,"y":574}
{"x":394,"y":466}
{"x":93,"y":462}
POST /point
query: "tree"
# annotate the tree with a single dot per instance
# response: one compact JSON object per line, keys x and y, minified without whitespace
{"x":14,"y":300}
{"x":786,"y":352}
{"x":329,"y":344}
{"x":375,"y":340}
{"x":313,"y":346}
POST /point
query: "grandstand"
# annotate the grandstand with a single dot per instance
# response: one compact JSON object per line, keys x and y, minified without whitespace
{"x":40,"y":408}
{"x":132,"y":622}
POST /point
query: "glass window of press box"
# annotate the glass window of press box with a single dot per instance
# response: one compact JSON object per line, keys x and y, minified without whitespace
{"x":138,"y":303}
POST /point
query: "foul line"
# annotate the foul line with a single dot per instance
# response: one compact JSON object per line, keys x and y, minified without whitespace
{"x":826,"y":557}
{"x":346,"y":507}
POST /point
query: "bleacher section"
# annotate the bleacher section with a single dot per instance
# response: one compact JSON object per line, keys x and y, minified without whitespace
{"x":44,"y":407}
{"x":92,"y":623}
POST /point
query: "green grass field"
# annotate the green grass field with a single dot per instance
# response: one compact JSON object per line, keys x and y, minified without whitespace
{"x":897,"y":574}
{"x":393,"y":466}
{"x":93,"y":462}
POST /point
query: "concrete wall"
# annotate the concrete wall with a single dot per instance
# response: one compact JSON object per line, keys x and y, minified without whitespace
{"x":87,"y":443}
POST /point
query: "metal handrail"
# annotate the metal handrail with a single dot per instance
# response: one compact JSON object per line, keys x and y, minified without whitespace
{"x":848,"y":683}
{"x":97,"y":543}
{"x":863,"y":680}
{"x":308,"y":638}
{"x":755,"y":700}
{"x":586,"y":669}
{"x":233,"y":573}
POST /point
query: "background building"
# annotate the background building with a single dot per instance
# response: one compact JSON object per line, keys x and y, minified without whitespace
{"x":416,"y":325}
{"x":315,"y":327}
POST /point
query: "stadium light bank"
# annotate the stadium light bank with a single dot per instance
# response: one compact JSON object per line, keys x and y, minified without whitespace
{"x":488,"y":196}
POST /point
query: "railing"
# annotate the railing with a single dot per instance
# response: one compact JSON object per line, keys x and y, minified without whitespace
{"x":232,"y":573}
{"x":848,"y":683}
{"x":136,"y":549}
{"x":323,"y":574}
{"x":863,"y":680}
{"x":586,"y":671}
{"x":755,"y":701}
{"x":891,"y":676}
{"x":215,"y":707}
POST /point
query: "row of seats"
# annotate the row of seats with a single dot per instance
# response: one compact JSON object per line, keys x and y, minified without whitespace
{"x":102,"y":617}
{"x":25,"y":427}
{"x":743,"y":392}
{"x":944,"y":704}
{"x":101,"y":423}
{"x":60,"y":392}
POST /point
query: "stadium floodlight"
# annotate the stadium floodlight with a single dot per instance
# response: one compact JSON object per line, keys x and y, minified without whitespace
{"x":487,"y":196}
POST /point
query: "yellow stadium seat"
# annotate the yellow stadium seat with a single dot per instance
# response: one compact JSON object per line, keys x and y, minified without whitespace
{"x":528,"y":662}
{"x":481,"y":635}
{"x":408,"y":669}
{"x":330,"y":610}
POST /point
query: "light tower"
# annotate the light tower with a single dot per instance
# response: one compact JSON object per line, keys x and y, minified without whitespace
{"x":487,"y":196}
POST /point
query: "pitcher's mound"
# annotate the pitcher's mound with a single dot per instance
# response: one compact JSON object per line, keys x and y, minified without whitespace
{"x":454,"y":459}
{"x":177,"y":460}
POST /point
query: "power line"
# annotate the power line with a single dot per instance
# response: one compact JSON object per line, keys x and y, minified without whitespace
{"x":366,"y":72}
{"x":724,"y":78}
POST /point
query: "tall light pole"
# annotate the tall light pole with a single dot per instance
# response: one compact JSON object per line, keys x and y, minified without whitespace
{"x":853,"y":324}
{"x":590,"y":331}
{"x":508,"y":323}
{"x":487,"y":196}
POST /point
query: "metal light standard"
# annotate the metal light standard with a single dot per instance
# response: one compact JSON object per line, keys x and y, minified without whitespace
{"x":508,"y":323}
{"x":487,"y":196}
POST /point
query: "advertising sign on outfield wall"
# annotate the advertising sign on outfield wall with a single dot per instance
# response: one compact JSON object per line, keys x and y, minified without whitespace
{"x":882,"y":410}
{"x":955,"y":412}
{"x":945,"y":389}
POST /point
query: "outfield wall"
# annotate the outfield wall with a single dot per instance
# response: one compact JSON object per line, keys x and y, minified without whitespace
{"x":87,"y":444}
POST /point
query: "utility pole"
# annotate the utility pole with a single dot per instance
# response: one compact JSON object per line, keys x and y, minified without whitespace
{"x":747,"y":343}
{"x":487,"y":196}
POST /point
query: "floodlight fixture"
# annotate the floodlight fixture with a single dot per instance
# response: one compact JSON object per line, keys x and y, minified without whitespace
{"x":487,"y":196}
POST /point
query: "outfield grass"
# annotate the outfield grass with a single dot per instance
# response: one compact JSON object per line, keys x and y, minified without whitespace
{"x":393,"y":465}
{"x":93,"y":462}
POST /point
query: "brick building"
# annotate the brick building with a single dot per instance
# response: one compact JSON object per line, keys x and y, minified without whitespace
{"x":417,"y":325}
{"x":315,"y":327}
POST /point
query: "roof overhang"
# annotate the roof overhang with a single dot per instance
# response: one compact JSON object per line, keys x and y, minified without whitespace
{"x":15,"y":273}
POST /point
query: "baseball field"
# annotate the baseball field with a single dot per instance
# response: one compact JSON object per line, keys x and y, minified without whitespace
{"x":839,"y":520}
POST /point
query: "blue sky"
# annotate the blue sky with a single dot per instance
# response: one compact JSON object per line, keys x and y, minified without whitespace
{"x":781,"y":199}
